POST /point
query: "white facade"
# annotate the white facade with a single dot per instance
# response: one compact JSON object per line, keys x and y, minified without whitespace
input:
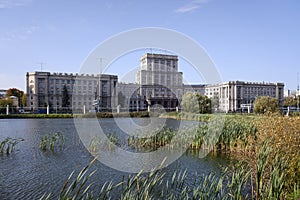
{"x":233,"y":94}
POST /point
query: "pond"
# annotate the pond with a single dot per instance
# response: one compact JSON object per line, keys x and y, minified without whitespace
{"x":28,"y":172}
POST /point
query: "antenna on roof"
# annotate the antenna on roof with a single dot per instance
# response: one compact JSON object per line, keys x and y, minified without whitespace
{"x":41,"y":64}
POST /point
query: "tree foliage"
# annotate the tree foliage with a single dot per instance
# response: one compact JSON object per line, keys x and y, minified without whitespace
{"x":5,"y":102}
{"x":204,"y":104}
{"x":196,"y":103}
{"x":215,"y":102}
{"x":65,"y":97}
{"x":290,"y":101}
{"x":265,"y":104}
{"x":24,"y":100}
{"x":17,"y":93}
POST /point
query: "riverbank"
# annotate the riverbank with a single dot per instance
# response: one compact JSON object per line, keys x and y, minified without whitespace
{"x":88,"y":115}
{"x":203,"y":117}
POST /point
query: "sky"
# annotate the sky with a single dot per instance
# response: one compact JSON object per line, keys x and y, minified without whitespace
{"x":250,"y":40}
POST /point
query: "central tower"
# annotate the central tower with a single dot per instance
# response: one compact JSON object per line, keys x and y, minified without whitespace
{"x":159,"y":80}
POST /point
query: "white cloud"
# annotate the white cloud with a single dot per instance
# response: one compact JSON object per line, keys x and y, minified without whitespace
{"x":13,"y":3}
{"x":193,"y":5}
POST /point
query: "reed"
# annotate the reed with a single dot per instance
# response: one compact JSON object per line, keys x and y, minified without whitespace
{"x":155,"y":185}
{"x":7,"y":146}
{"x":234,"y":135}
{"x":96,"y":143}
{"x":268,"y":148}
{"x":50,"y":142}
{"x":269,"y":144}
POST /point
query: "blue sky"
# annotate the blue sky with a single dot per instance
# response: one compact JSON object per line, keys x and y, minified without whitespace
{"x":247,"y":40}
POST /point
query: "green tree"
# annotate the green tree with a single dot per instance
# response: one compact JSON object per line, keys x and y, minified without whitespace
{"x":265,"y":104}
{"x":196,"y":103}
{"x":215,"y":102}
{"x":190,"y":102}
{"x":121,"y":99}
{"x":290,"y":102}
{"x":65,"y":97}
{"x":204,"y":104}
{"x":17,"y":93}
{"x":4,"y":103}
{"x":24,"y":100}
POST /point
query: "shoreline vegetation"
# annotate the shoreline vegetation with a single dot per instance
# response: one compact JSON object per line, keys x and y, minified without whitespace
{"x":269,"y":145}
{"x":87,"y":115}
{"x":266,"y":148}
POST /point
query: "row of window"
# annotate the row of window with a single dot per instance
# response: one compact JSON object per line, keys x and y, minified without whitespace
{"x":73,"y":82}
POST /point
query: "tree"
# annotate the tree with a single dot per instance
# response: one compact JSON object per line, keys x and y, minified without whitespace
{"x":24,"y":100}
{"x":121,"y":99}
{"x":204,"y":104}
{"x":17,"y":93}
{"x":215,"y":102}
{"x":265,"y":104}
{"x":196,"y":103}
{"x":65,"y":97}
{"x":190,"y":102}
{"x":290,"y":102}
{"x":4,"y":103}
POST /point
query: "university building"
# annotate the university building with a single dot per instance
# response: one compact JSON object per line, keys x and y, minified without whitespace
{"x":235,"y":95}
{"x":89,"y":91}
{"x":129,"y":97}
{"x":159,"y":80}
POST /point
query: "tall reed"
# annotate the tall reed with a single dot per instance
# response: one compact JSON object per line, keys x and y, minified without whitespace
{"x":8,"y":144}
{"x":49,"y":141}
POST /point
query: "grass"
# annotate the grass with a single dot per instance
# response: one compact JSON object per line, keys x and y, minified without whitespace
{"x":268,"y":147}
{"x":96,"y":143}
{"x":234,"y":182}
{"x":233,"y":135}
{"x":7,"y":146}
{"x":87,"y":115}
{"x":281,"y":135}
{"x":49,"y":141}
{"x":270,"y":144}
{"x":187,"y":116}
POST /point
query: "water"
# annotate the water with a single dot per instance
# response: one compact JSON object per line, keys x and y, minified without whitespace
{"x":28,"y":172}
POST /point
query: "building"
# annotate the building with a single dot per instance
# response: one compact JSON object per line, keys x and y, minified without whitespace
{"x":235,"y":95}
{"x":194,"y":89}
{"x":158,"y":83}
{"x":2,"y":93}
{"x":159,"y":80}
{"x":15,"y":101}
{"x":287,"y":93}
{"x":84,"y":91}
{"x":129,"y":97}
